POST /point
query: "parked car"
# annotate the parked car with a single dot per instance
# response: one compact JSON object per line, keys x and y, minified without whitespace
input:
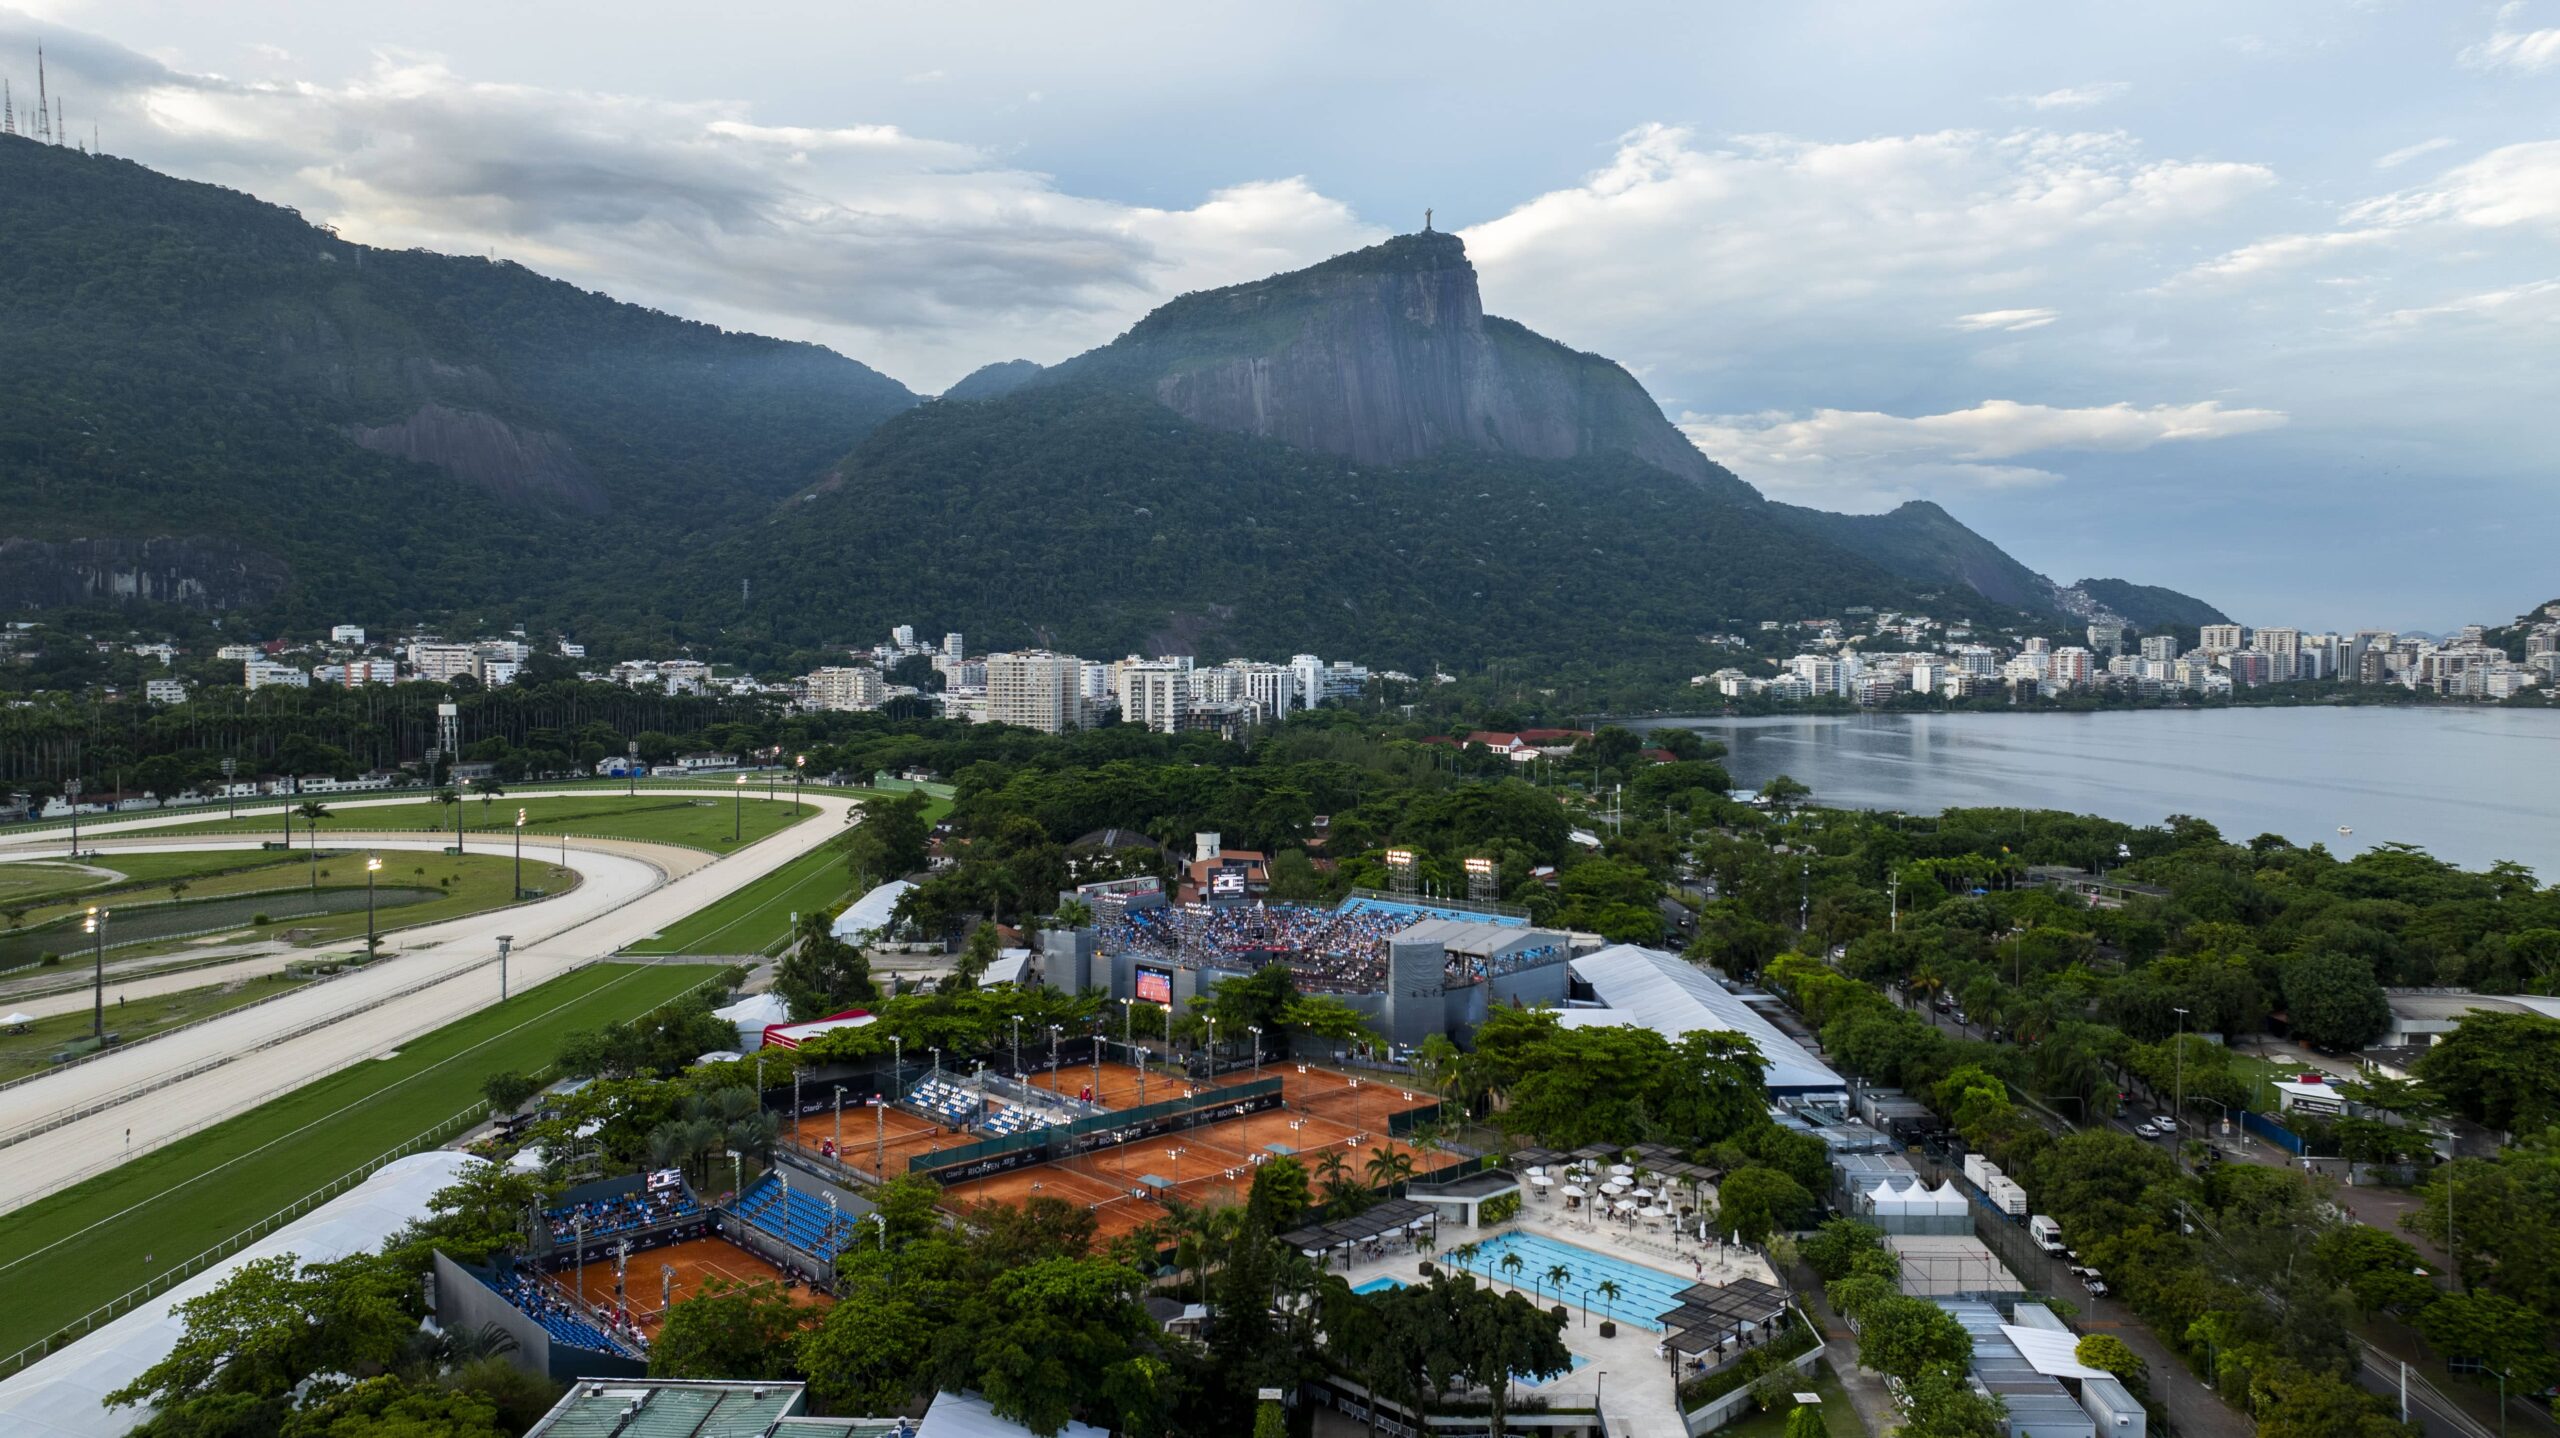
{"x":2166,"y":1123}
{"x":2147,"y":1129}
{"x":2097,"y":1287}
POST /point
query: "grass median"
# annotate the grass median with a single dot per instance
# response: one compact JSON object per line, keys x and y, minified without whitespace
{"x":757,"y":917}
{"x":66,"y":1254}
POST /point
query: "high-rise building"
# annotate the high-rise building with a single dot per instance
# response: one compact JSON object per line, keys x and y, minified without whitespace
{"x":2283,"y":647}
{"x":2071,"y":667}
{"x":1277,"y":689}
{"x":2221,"y":638}
{"x":845,"y":688}
{"x":348,"y":634}
{"x":951,"y":648}
{"x":903,"y":637}
{"x":1155,"y":694}
{"x":1311,"y":680}
{"x":2106,"y":640}
{"x":2251,"y":668}
{"x":1036,"y":689}
{"x":2160,"y":648}
{"x":360,"y":672}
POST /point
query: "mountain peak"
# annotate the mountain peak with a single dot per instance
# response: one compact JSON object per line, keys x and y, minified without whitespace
{"x":1385,"y":355}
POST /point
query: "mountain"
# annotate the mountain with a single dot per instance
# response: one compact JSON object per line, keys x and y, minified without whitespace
{"x":206,"y":400}
{"x":989,"y":381}
{"x":1922,"y":542}
{"x":2148,"y":606}
{"x":1386,"y":356}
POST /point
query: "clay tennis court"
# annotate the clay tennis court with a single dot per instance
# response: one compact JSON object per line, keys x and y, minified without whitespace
{"x":908,"y":1135}
{"x":696,"y":1262}
{"x":1120,"y":1087}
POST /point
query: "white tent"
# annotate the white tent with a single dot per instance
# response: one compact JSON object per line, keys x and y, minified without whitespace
{"x":867,"y":918}
{"x":1944,"y":1202}
{"x":752,"y":1015}
{"x":58,"y":1395}
{"x":1884,"y":1200}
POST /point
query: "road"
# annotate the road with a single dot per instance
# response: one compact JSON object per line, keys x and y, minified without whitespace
{"x":620,"y":898}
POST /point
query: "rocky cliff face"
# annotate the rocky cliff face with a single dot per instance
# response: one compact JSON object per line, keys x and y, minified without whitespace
{"x":525,"y":465}
{"x":1386,"y":355}
{"x":193,"y":571}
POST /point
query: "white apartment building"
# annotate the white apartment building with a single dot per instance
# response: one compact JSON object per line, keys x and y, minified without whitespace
{"x":262,"y":674}
{"x":847,"y":688}
{"x":351,"y":635}
{"x":165,"y":691}
{"x":239,"y":652}
{"x":2071,"y":666}
{"x":440,"y":663}
{"x":495,"y":673}
{"x":1036,"y":689}
{"x":1312,"y":682}
{"x":2283,"y":647}
{"x":1155,"y":693}
{"x":952,"y":648}
{"x":2160,"y":648}
{"x":356,"y":673}
{"x":2221,"y":638}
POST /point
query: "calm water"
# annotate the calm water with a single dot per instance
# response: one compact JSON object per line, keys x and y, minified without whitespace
{"x":2471,"y":786}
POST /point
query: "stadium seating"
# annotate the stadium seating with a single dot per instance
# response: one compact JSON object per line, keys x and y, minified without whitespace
{"x":795,"y":1218}
{"x":557,"y":1319}
{"x":946,"y":1101}
{"x":607,"y":1217}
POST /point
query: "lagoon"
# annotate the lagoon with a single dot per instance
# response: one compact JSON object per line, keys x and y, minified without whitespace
{"x":2469,"y":785}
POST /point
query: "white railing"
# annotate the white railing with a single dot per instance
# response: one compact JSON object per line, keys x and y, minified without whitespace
{"x":125,"y":1303}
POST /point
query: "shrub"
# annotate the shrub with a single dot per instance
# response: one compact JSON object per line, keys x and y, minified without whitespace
{"x":256,"y":919}
{"x":50,"y":961}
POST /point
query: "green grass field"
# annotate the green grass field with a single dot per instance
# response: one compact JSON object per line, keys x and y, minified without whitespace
{"x":699,"y":823}
{"x":22,"y":1054}
{"x":758,"y":916}
{"x":34,"y":885}
{"x":66,"y":1254}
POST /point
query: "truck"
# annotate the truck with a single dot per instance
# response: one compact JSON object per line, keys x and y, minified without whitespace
{"x":1979,"y":1170}
{"x":2046,"y":1232}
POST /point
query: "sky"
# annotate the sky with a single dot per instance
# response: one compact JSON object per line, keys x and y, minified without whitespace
{"x":2257,"y":299}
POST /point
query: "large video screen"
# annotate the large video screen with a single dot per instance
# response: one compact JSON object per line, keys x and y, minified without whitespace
{"x":1155,"y":986}
{"x":1226,"y":883}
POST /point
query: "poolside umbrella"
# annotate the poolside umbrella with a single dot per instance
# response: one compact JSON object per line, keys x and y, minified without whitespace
{"x":1651,"y":1211}
{"x":1644,"y":1193}
{"x":1626,"y":1204}
{"x":1537,"y":1172}
{"x":1574,"y":1191}
{"x":1540,"y":1179}
{"x":1622,"y":1170}
{"x":14,"y":1020}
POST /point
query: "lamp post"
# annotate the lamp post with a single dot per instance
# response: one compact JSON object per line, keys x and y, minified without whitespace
{"x":1213,"y":1045}
{"x":505,"y":942}
{"x":578,"y":1225}
{"x":519,"y":855}
{"x":231,"y":799}
{"x":897,"y":1065}
{"x":372,"y":866}
{"x":738,"y":810}
{"x":839,"y":1123}
{"x":737,"y":1173}
{"x":1055,"y":1033}
{"x":879,"y":1140}
{"x":631,"y":768}
{"x":1017,"y":1045}
{"x":1256,"y":1031}
{"x":799,"y":776}
{"x":1355,"y":1104}
{"x":96,"y":925}
{"x":1176,"y":1155}
{"x":71,"y":790}
{"x":2177,"y":1095}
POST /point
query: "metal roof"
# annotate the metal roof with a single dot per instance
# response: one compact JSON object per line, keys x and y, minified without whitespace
{"x":1668,"y":994}
{"x":644,"y":1408}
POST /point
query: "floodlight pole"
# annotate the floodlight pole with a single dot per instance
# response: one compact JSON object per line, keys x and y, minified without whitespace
{"x":372,"y":866}
{"x":505,"y":942}
{"x":97,"y":927}
{"x":519,"y":855}
{"x":839,"y":1123}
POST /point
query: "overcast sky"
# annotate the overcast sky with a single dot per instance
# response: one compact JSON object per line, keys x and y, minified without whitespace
{"x":2259,"y":299}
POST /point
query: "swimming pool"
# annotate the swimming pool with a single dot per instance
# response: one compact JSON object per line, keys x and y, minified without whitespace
{"x":1379,"y":1285}
{"x":1645,"y":1293}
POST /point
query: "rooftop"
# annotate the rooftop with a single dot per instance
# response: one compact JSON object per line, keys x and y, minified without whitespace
{"x":1668,"y":994}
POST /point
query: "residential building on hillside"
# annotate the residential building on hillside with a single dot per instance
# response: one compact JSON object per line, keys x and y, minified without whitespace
{"x":1036,"y":689}
{"x":266,"y":673}
{"x":1155,"y":694}
{"x":844,"y":688}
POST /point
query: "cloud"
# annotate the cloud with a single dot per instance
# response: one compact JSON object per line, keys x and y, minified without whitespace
{"x":1690,"y":259}
{"x":2406,"y":153}
{"x":1865,"y":459}
{"x":923,"y":256}
{"x":2009,"y":321}
{"x":2527,"y":52}
{"x":2514,"y":187}
{"x":2075,"y":97}
{"x":2536,"y":303}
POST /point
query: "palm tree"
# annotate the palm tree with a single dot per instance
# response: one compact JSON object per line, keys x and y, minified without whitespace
{"x":450,"y":799}
{"x":177,"y":889}
{"x":1386,"y":1168}
{"x":1331,"y":1171}
{"x":1426,"y":1242}
{"x":1511,"y":1265}
{"x":1464,"y":1255}
{"x":1557,"y":1277}
{"x":312,"y":812}
{"x":1609,"y":1293}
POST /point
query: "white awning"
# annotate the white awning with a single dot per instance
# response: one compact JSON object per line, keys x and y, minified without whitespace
{"x":869,"y":915}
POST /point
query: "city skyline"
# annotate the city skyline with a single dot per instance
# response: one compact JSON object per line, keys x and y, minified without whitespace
{"x":2239,"y":300}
